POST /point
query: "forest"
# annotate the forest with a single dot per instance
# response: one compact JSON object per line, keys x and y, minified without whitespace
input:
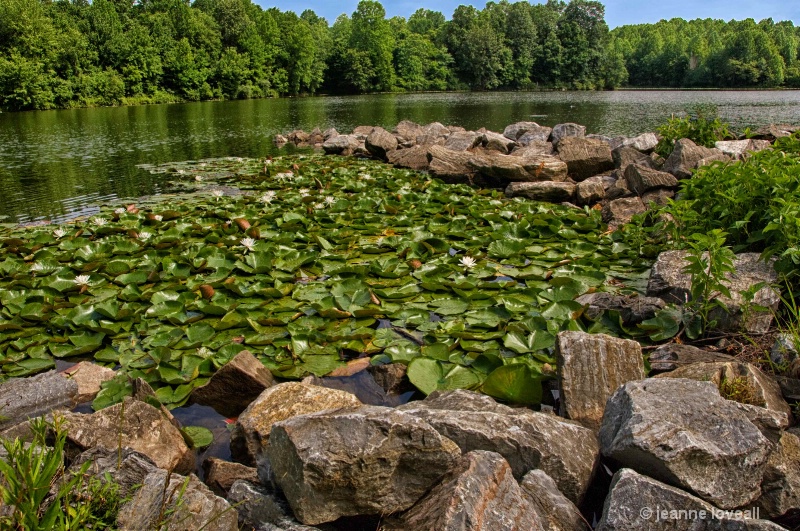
{"x":76,"y":53}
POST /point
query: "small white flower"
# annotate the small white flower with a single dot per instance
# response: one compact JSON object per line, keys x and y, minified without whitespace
{"x":319,"y":206}
{"x":202,"y":165}
{"x":81,"y":280}
{"x":304,"y":192}
{"x":181,"y":172}
{"x":267,"y":162}
{"x":144,"y":235}
{"x":284,"y":176}
{"x":366,"y":177}
{"x":59,"y":233}
{"x":158,"y":217}
{"x":248,"y":243}
{"x":330,"y":199}
{"x":217,"y":193}
{"x":198,"y":178}
{"x":99,"y":222}
{"x":37,"y":266}
{"x":203,"y":352}
{"x":120,"y":210}
{"x":468,"y":262}
{"x":239,"y":159}
{"x":268,"y":196}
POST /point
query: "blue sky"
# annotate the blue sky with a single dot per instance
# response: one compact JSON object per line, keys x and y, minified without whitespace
{"x":618,"y":12}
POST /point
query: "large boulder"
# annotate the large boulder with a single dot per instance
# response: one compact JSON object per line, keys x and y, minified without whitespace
{"x":261,"y":509}
{"x":682,"y":432}
{"x":567,"y":130}
{"x":251,"y":433}
{"x":527,"y":440}
{"x":371,"y":460}
{"x":414,"y":158}
{"x":233,"y":387}
{"x":780,"y":490}
{"x":548,"y":191}
{"x":534,"y":149}
{"x":553,"y":508}
{"x":593,"y":189}
{"x":740,"y":149}
{"x":497,"y":142}
{"x":687,"y":156}
{"x":126,"y":469}
{"x":380,"y":142}
{"x":621,"y":211}
{"x":463,"y":140}
{"x":341,"y":145}
{"x":672,"y":356}
{"x":220,"y":475}
{"x":585,"y":156}
{"x":639,"y":502}
{"x":25,"y":398}
{"x":590,"y":368}
{"x":538,"y":134}
{"x":448,"y":164}
{"x":632,"y":309}
{"x":407,"y":131}
{"x":529,"y":168}
{"x":171,"y":502}
{"x":623,"y":156}
{"x":668,"y":281}
{"x":642,"y":179}
{"x":478,"y":494}
{"x":136,"y":425}
{"x":89,"y":377}
{"x":516,"y":130}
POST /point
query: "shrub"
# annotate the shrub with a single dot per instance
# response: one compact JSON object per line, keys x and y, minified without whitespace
{"x":701,"y":125}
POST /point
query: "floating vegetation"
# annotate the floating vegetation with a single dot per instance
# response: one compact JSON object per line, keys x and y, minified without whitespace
{"x":309,"y":262}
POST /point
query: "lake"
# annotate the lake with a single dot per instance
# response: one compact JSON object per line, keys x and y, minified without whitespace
{"x":56,"y":165}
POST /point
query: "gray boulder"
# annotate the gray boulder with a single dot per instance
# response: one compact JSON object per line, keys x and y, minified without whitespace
{"x":127,"y":468}
{"x":89,"y":376}
{"x":478,"y":494}
{"x":590,"y":368}
{"x":407,"y":131}
{"x":220,"y":475}
{"x":547,"y":191}
{"x":644,"y":143}
{"x":657,"y":196}
{"x":539,"y":134}
{"x":567,"y":130}
{"x":25,"y":398}
{"x":529,"y":168}
{"x":584,"y":156}
{"x":171,"y":502}
{"x":534,"y":149}
{"x":233,"y":387}
{"x":372,"y":460}
{"x":639,"y":502}
{"x":623,"y":156}
{"x":380,"y":142}
{"x":341,"y":145}
{"x":669,"y":282}
{"x":259,"y":508}
{"x":740,"y":149}
{"x":780,"y":490}
{"x":784,"y":350}
{"x":591,"y":191}
{"x":448,"y":164}
{"x":463,"y":141}
{"x":687,"y":156}
{"x":553,"y":508}
{"x":620,"y":211}
{"x":700,"y":442}
{"x":497,"y":142}
{"x":516,"y":130}
{"x":414,"y":158}
{"x":362,"y":132}
{"x":632,"y":310}
{"x":642,"y":179}
{"x":672,"y":356}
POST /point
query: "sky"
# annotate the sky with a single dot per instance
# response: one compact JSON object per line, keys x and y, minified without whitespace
{"x":618,"y":12}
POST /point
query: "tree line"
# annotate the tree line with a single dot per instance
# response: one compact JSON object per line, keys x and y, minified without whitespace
{"x":75,"y":53}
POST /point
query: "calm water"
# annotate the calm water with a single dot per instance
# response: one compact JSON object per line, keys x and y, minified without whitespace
{"x":60,"y":164}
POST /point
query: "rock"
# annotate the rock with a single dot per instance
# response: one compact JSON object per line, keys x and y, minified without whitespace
{"x":591,"y":191}
{"x":657,"y":196}
{"x":566,"y":130}
{"x":446,"y":163}
{"x":774,"y":131}
{"x":716,"y":157}
{"x":497,"y":142}
{"x":736,"y":381}
{"x":132,"y":424}
{"x":407,"y":131}
{"x":740,"y":149}
{"x":669,"y":282}
{"x":431,"y":139}
{"x":686,"y":156}
{"x":171,"y":502}
{"x":414,"y":158}
{"x":632,"y":310}
{"x":516,"y":130}
{"x":644,"y":143}
{"x":298,"y":136}
{"x":478,"y":494}
{"x":527,"y":440}
{"x":553,"y":508}
{"x":329,"y":133}
{"x":620,"y":187}
{"x":784,"y":350}
{"x":674,"y":355}
{"x":790,"y":388}
{"x":770,"y":423}
{"x":233,"y":387}
{"x":640,"y":502}
{"x":506,"y":168}
{"x":391,"y":377}
{"x":127,"y":468}
{"x":780,"y":489}
{"x":463,"y":400}
{"x":540,"y":134}
{"x":371,"y":460}
{"x":642,"y":179}
{"x":624,"y":156}
{"x":548,"y":191}
{"x":344,"y":145}
{"x":258,"y":508}
{"x":584,"y":156}
{"x":701,"y":442}
{"x":25,"y":398}
{"x":251,"y":433}
{"x":88,"y":376}
{"x":362,"y":385}
{"x":462,"y":141}
{"x":220,"y":475}
{"x":602,"y":138}
{"x":142,"y":391}
{"x":435,"y":129}
{"x":620,"y":211}
{"x":590,"y":368}
{"x":380,"y":142}
{"x":534,"y":149}
{"x":362,"y":132}
{"x":280,"y":140}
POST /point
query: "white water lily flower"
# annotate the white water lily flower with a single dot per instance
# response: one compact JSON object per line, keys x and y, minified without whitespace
{"x":203,"y":352}
{"x":217,"y":193}
{"x":81,"y":280}
{"x":284,"y":176}
{"x":468,"y":262}
{"x":304,"y":192}
{"x":198,"y":178}
{"x":144,"y":235}
{"x":181,"y":172}
{"x":366,"y":177}
{"x":120,"y":210}
{"x":37,"y":266}
{"x":248,"y":243}
{"x":99,"y":222}
{"x":319,"y":206}
{"x":267,"y":162}
{"x":59,"y":233}
{"x":158,"y":217}
{"x":202,"y":165}
{"x":268,"y":196}
{"x":330,"y":199}
{"x":239,"y":159}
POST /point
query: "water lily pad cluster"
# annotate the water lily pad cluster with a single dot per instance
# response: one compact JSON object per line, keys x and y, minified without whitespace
{"x":308,"y":262}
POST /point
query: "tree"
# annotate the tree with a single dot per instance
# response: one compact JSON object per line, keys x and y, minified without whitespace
{"x":372,"y":37}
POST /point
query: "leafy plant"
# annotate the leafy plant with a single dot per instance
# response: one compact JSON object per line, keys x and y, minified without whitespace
{"x":701,"y":125}
{"x":741,"y":390}
{"x":43,"y":495}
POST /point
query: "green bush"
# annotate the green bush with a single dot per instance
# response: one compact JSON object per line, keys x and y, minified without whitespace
{"x":701,"y":125}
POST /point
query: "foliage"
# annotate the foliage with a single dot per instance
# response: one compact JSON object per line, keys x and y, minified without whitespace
{"x":43,"y":495}
{"x":702,"y":126}
{"x":307,"y":262}
{"x":740,"y":389}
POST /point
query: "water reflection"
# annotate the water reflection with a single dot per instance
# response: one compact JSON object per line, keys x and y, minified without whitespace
{"x":59,"y":164}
